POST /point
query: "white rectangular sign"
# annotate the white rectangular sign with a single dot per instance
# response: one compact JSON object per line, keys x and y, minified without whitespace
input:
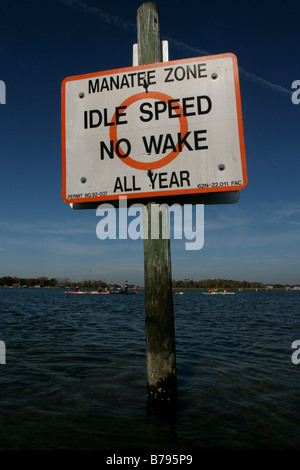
{"x":171,"y":128}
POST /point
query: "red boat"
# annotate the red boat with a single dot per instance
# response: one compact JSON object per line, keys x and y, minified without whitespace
{"x":120,"y":292}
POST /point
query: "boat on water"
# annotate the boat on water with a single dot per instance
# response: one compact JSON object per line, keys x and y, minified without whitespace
{"x":84,"y":292}
{"x":117,"y":292}
{"x":106,"y":291}
{"x":218,"y":292}
{"x":121,"y":292}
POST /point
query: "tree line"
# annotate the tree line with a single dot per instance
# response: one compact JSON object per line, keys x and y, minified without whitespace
{"x":220,"y":284}
{"x":13,"y":281}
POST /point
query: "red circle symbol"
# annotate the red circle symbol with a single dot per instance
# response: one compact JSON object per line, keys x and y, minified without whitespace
{"x":168,"y":158}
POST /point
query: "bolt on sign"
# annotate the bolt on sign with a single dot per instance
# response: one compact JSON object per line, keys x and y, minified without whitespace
{"x":170,"y":128}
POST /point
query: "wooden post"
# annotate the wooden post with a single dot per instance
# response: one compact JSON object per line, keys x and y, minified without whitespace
{"x":160,"y":331}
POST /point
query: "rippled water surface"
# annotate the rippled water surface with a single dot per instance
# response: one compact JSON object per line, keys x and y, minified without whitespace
{"x":75,"y":375}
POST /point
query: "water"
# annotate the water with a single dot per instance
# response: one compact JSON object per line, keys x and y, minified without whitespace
{"x":75,"y":375}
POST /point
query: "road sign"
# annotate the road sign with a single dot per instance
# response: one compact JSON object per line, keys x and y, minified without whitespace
{"x":167,"y":129}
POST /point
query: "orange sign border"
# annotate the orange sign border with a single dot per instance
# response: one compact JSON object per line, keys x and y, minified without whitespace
{"x":172,"y":192}
{"x":168,"y":158}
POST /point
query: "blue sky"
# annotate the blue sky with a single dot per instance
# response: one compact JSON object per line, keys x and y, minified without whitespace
{"x":42,"y":42}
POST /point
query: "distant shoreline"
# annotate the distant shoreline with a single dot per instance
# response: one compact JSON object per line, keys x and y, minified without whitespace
{"x":238,"y":289}
{"x":43,"y":282}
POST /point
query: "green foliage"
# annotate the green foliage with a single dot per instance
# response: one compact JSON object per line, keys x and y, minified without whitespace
{"x":8,"y":281}
{"x":217,"y":284}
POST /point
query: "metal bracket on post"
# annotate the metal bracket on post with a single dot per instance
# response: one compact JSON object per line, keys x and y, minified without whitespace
{"x":165,"y":53}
